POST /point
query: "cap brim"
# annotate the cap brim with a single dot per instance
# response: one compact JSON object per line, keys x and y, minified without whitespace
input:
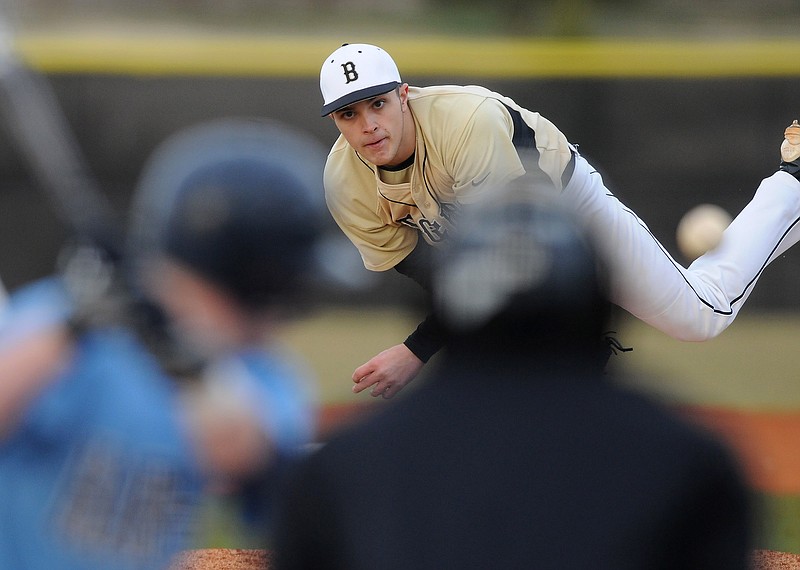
{"x":359,"y":95}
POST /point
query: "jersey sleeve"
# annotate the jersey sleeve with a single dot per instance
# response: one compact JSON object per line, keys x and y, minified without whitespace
{"x":484,"y":157}
{"x":352,"y":200}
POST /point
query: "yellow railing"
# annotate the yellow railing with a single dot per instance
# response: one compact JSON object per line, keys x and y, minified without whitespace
{"x":167,"y":53}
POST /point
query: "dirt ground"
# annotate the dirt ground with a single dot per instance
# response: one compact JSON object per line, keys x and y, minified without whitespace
{"x":769,"y":560}
{"x":222,"y":559}
{"x":234,"y":559}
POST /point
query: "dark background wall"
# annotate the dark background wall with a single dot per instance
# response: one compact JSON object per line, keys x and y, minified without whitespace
{"x":663,"y":145}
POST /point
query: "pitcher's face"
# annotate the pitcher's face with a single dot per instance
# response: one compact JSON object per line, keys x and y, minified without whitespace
{"x":380,"y":128}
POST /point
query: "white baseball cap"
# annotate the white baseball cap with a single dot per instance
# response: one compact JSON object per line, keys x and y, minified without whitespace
{"x":355,"y":72}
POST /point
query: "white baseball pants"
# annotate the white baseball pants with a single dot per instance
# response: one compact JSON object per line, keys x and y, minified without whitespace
{"x":699,"y":302}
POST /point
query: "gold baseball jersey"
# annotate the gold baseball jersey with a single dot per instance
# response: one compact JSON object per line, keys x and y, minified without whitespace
{"x":467,"y":142}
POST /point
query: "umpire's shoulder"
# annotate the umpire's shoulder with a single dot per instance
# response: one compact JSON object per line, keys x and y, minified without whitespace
{"x":682,"y":441}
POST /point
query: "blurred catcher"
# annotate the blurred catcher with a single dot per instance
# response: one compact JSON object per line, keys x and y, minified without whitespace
{"x":108,"y":446}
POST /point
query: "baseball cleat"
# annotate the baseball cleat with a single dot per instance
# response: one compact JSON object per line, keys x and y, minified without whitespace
{"x":790,"y":150}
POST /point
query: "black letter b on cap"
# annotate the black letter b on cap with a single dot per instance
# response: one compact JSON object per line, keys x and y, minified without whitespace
{"x":350,"y":72}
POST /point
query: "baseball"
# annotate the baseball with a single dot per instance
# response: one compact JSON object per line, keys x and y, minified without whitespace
{"x":700,"y":230}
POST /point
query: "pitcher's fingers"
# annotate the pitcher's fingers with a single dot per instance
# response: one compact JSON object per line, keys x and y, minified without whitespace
{"x":364,"y":383}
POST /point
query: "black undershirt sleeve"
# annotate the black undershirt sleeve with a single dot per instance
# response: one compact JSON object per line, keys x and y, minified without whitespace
{"x":429,"y":336}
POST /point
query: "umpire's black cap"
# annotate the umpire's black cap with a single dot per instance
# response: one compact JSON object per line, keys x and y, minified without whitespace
{"x":519,"y":272}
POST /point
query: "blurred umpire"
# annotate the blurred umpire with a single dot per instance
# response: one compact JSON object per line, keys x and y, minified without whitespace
{"x":127,"y":388}
{"x":517,"y":452}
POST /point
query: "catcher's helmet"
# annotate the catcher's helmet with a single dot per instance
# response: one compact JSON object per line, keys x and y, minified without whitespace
{"x":237,"y":201}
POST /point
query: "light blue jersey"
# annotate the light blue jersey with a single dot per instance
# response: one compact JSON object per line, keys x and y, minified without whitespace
{"x":99,"y":473}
